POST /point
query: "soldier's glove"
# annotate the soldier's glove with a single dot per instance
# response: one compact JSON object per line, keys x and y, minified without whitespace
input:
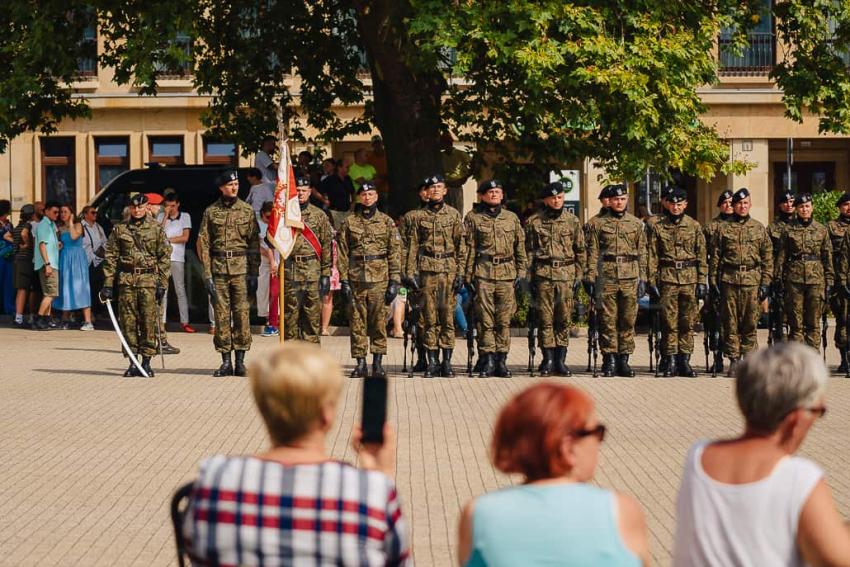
{"x":764,"y":291}
{"x":470,"y":287}
{"x":159,"y":292}
{"x":105,"y":294}
{"x":576,"y":285}
{"x":414,"y":283}
{"x":210,"y":285}
{"x":715,"y":290}
{"x":324,"y":286}
{"x":521,"y":285}
{"x":589,"y":288}
{"x":458,"y":283}
{"x":846,"y":290}
{"x":653,"y":292}
{"x":827,"y":292}
{"x":345,"y":288}
{"x":252,"y":285}
{"x":702,"y":291}
{"x":641,"y":288}
{"x":392,"y":291}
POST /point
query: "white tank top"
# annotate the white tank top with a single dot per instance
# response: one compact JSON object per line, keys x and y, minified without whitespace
{"x":753,"y":524}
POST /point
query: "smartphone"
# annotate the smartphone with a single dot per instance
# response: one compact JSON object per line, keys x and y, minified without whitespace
{"x":374,"y":409}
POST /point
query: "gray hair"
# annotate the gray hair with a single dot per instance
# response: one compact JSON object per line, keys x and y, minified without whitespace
{"x":772,"y":382}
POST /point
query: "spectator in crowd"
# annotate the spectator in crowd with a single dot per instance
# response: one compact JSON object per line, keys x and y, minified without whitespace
{"x":36,"y":295}
{"x":7,"y":258}
{"x":94,"y":241}
{"x":457,"y":167}
{"x":74,"y":293}
{"x":268,"y":284}
{"x":395,"y":314}
{"x":177,"y":225}
{"x":328,"y":300}
{"x":264,"y":162}
{"x":46,"y":264}
{"x":328,"y":168}
{"x":361,"y":170}
{"x":461,"y":303}
{"x":378,"y":159}
{"x":23,"y":270}
{"x":550,"y":435}
{"x":337,"y":192}
{"x":297,"y":389}
{"x":260,"y":191}
{"x":749,"y":500}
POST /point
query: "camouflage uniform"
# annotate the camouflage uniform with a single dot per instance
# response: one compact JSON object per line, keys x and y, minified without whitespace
{"x":435,"y":255}
{"x":837,"y":229}
{"x":495,"y":257}
{"x":414,"y":297}
{"x":677,"y":263}
{"x":554,"y":241}
{"x":229,"y":247}
{"x":139,"y":273}
{"x":804,"y":263}
{"x":775,"y":230}
{"x":302,"y":269}
{"x":741,"y":263}
{"x":368,"y":256}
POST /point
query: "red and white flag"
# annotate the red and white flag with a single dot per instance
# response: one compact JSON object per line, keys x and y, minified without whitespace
{"x":285,"y":222}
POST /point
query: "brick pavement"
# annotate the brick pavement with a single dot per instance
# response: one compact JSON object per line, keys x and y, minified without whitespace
{"x":90,"y":459}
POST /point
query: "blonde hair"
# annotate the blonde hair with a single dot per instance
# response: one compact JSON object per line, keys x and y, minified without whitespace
{"x":291,"y":385}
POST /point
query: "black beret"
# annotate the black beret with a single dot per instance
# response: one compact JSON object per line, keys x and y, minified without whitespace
{"x":740,"y":195}
{"x":725,"y":196}
{"x":489,"y":184}
{"x":366,"y":186}
{"x":677,"y":195}
{"x":226,"y":177}
{"x":551,"y":190}
{"x":667,"y":191}
{"x":433,"y":180}
{"x":785,"y":195}
{"x":138,"y":199}
{"x":802,"y":198}
{"x":844,"y":198}
{"x":603,"y":194}
{"x":617,"y":190}
{"x":302,"y":181}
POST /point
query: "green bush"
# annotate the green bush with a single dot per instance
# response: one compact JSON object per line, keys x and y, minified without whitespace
{"x":824,"y":206}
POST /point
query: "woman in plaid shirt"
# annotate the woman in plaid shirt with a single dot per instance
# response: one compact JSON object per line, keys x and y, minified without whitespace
{"x":293,"y":505}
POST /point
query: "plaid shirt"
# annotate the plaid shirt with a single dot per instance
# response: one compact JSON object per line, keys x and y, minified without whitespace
{"x":249,"y":511}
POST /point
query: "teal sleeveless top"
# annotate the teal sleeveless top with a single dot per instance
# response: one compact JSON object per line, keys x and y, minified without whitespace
{"x":562,"y":524}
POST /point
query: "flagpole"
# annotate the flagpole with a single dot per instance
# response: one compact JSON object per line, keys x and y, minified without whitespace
{"x":280,"y":302}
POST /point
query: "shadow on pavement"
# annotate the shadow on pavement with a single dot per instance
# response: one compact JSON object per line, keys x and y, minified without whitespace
{"x":117,"y":372}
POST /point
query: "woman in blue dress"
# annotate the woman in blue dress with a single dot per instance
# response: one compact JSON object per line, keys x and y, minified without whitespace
{"x":73,"y":269}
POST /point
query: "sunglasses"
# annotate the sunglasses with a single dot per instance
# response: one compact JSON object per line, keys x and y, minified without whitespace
{"x":598,"y":432}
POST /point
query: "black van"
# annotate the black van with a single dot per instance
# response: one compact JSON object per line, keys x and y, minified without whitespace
{"x":196,"y":188}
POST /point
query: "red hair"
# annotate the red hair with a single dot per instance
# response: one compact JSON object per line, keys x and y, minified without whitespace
{"x":531,"y":426}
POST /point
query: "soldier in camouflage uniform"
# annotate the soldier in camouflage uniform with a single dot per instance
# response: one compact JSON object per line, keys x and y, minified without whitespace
{"x":804,"y":264}
{"x":837,"y":229}
{"x":413,"y":295}
{"x":554,"y":241}
{"x":784,"y":216}
{"x":495,"y":268}
{"x":678,"y":272}
{"x":740,"y":270}
{"x":307,"y":271}
{"x":138,"y":252}
{"x":229,"y":246}
{"x":434,"y":263}
{"x":709,"y":319}
{"x":616,"y":275}
{"x":368,"y":259}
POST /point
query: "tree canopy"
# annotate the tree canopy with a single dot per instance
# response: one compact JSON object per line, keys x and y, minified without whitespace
{"x":544,"y":82}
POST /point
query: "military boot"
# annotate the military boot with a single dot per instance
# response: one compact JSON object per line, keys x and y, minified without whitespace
{"x":433,"y":367}
{"x":718,"y":365}
{"x":502,"y":366}
{"x":665,"y":366}
{"x":683,"y":366}
{"x":479,"y":363}
{"x":377,"y":366}
{"x":488,"y":366}
{"x":226,"y":368}
{"x":146,"y":366}
{"x":561,"y":368}
{"x":239,"y":367}
{"x":609,"y":365}
{"x":446,"y":368}
{"x":623,"y":368}
{"x":545,"y":368}
{"x":421,"y":361}
{"x":360,"y":369}
{"x":842,"y":368}
{"x":733,"y":365}
{"x":131,"y":371}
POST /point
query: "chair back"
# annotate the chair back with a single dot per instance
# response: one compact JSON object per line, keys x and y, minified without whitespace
{"x":179,"y":503}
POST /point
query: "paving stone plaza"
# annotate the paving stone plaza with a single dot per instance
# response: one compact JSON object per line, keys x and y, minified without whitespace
{"x":90,"y":459}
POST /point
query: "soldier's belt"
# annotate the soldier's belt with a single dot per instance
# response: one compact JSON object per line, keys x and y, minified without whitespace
{"x":303,"y":258}
{"x":619,"y":258}
{"x":679,"y":264}
{"x":370,"y":257}
{"x":438,"y":255}
{"x":806,"y":258}
{"x":227,"y":253}
{"x":554,"y":262}
{"x":137,"y":271}
{"x":739,"y":267}
{"x":495,"y":260}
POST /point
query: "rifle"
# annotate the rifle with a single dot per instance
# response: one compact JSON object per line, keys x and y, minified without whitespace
{"x":405,"y":327}
{"x":656,"y":330}
{"x":706,"y":345}
{"x":715,"y":340}
{"x":413,"y":327}
{"x":592,"y":334}
{"x":532,"y":333}
{"x":776,"y":322}
{"x":847,"y":329}
{"x":650,"y":338}
{"x":824,"y":323}
{"x":471,"y":331}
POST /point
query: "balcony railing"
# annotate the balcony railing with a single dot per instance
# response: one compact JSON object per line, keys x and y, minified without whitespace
{"x":756,"y":59}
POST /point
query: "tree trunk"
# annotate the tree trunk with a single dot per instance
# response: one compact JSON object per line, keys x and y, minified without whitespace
{"x":406,"y":103}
